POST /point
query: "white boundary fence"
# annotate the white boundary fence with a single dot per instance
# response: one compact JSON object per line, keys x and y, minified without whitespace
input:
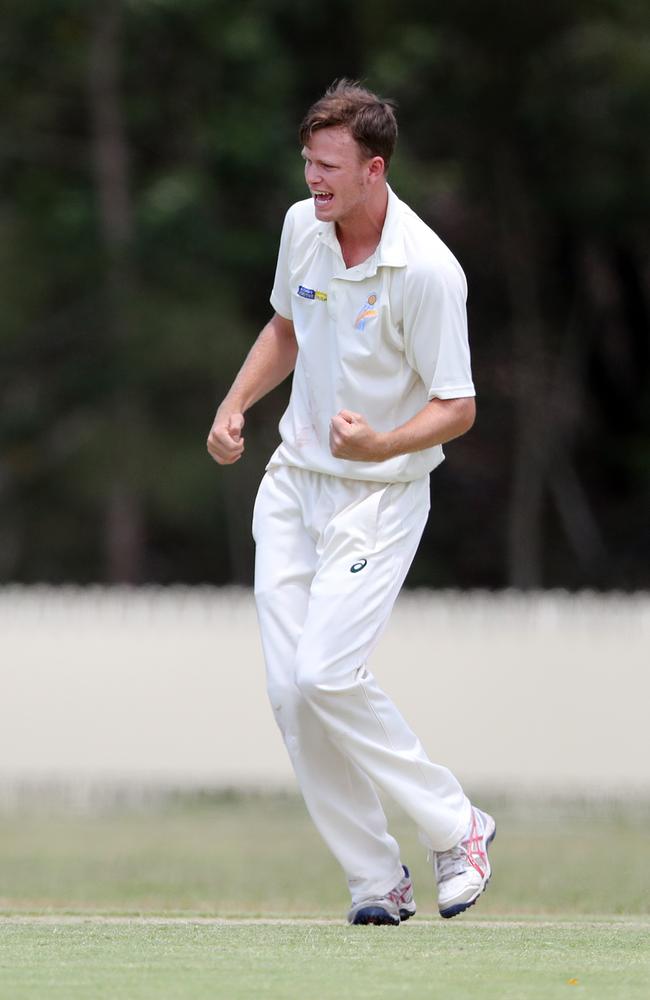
{"x":545,"y":692}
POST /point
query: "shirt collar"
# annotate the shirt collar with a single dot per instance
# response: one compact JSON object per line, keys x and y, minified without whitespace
{"x":390,"y":250}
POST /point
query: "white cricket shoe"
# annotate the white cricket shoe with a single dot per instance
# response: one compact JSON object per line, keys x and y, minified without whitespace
{"x":397,"y":905}
{"x":463,"y":872}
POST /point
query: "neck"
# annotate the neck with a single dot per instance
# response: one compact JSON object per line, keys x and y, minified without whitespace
{"x":360,"y":234}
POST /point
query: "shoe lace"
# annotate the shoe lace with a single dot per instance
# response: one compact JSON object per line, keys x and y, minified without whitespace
{"x":469,"y":853}
{"x":450,"y":863}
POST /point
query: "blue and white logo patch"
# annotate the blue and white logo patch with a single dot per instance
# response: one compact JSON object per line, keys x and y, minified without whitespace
{"x":306,"y":293}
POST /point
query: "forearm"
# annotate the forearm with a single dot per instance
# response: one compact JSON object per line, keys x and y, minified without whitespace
{"x":441,"y":420}
{"x":271,"y":358}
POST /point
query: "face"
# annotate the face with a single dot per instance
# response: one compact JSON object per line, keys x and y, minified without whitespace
{"x":338,"y":175}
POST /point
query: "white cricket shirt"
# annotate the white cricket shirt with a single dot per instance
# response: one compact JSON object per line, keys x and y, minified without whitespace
{"x":380,"y":338}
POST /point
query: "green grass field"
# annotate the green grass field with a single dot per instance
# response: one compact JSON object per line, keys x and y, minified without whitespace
{"x":203,"y":896}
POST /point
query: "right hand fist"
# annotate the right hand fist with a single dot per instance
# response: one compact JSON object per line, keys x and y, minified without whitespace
{"x":225,"y":443}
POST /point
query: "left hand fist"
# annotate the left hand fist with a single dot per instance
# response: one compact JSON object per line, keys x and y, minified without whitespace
{"x":352,"y":437}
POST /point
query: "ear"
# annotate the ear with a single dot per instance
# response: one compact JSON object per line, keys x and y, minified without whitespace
{"x":376,"y":169}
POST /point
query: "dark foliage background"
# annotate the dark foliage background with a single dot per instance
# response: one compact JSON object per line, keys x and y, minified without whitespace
{"x":148,"y":157}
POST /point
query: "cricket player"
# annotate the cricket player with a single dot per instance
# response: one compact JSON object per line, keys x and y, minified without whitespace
{"x":369,"y":315}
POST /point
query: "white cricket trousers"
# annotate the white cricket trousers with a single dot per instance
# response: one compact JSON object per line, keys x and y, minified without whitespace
{"x":331,"y":557}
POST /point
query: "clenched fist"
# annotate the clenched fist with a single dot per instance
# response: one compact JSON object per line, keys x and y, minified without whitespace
{"x":225,"y":442}
{"x":352,"y":437}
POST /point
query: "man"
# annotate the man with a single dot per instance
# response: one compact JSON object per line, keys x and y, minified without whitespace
{"x":370,"y":316}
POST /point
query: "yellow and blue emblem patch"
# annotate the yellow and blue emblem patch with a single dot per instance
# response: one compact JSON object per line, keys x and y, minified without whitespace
{"x":367,"y":312}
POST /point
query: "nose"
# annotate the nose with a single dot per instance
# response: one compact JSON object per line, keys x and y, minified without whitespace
{"x":312,"y":174}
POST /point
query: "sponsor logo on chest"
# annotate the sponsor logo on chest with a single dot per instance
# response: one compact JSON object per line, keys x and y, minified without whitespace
{"x":311,"y":293}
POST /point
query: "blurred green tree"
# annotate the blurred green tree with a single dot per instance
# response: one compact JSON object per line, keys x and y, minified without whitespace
{"x":150,"y":153}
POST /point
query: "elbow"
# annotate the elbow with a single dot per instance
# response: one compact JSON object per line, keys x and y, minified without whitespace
{"x":463,"y":415}
{"x":469,"y":414}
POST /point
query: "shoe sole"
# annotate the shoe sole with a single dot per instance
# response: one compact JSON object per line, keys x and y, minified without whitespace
{"x":453,"y":911}
{"x":376,"y":915}
{"x":405,"y":914}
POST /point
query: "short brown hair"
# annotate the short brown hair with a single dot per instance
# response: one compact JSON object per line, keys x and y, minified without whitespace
{"x":370,"y":119}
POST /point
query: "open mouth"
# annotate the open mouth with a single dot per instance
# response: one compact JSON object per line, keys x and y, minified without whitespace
{"x":322,"y":197}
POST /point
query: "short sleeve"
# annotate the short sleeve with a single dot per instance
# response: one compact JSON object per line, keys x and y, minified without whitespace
{"x":281,"y":294}
{"x":435,"y":329}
